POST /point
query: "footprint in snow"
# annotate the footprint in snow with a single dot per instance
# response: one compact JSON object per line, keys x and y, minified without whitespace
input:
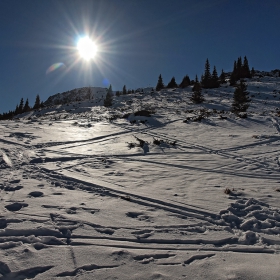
{"x":16,"y":206}
{"x":138,"y":215}
{"x":36,"y":194}
{"x":12,"y":189}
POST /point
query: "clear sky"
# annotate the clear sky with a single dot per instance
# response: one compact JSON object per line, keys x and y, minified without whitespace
{"x":137,"y":40}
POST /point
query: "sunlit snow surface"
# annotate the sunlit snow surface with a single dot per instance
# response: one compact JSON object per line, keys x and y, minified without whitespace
{"x":78,"y":203}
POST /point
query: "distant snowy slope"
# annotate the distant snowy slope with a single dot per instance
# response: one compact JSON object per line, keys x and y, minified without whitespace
{"x":78,"y":94}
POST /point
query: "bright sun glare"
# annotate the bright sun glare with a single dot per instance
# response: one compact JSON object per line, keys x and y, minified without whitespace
{"x":86,"y":48}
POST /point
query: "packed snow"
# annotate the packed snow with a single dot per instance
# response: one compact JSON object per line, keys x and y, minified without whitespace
{"x":142,"y":190}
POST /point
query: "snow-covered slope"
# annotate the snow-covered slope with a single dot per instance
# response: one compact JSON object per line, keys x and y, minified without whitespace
{"x":89,"y":192}
{"x":80,"y":94}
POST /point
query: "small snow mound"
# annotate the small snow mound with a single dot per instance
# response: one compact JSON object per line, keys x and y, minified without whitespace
{"x":249,"y":238}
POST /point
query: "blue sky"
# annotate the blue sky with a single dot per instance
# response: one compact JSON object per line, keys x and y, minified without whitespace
{"x":137,"y":41}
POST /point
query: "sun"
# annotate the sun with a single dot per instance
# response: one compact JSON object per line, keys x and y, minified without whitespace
{"x":87,"y":48}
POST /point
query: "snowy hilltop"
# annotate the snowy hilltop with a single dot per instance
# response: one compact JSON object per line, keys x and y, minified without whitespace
{"x":153,"y":187}
{"x":86,"y":93}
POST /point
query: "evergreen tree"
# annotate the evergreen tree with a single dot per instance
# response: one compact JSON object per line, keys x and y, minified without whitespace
{"x":197,"y":95}
{"x":215,"y":79}
{"x":206,"y":80}
{"x":118,"y":93}
{"x":185,"y":82}
{"x":160,"y":84}
{"x":253,"y":72}
{"x":196,"y":85}
{"x":16,"y":110}
{"x":20,"y":107}
{"x":26,"y":107}
{"x":222,"y":77}
{"x":239,"y":68}
{"x":245,"y":69}
{"x":240,"y":71}
{"x":172,"y":83}
{"x":37,"y":103}
{"x":124,"y":91}
{"x":240,"y":98}
{"x":109,"y":97}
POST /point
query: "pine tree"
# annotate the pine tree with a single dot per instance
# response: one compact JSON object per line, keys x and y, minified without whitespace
{"x":196,"y":85}
{"x":172,"y":83}
{"x":118,"y":93}
{"x":124,"y":91}
{"x":26,"y":107}
{"x":245,"y":69}
{"x":185,"y":82}
{"x":239,"y":68}
{"x":253,"y":72}
{"x":206,"y":80}
{"x":109,"y":97}
{"x":20,"y":107}
{"x":240,"y":71}
{"x":197,"y":95}
{"x":240,"y":98}
{"x":16,"y":110}
{"x":160,"y":84}
{"x":222,"y":77}
{"x":215,"y":79}
{"x":37,"y":103}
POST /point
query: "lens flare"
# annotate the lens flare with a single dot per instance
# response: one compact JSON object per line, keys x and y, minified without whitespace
{"x":54,"y":67}
{"x":86,"y":48}
{"x":105,"y":82}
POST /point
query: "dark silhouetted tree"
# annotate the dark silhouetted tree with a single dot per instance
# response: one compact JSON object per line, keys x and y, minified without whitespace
{"x":253,"y":72}
{"x":245,"y":72}
{"x":109,"y":97}
{"x":172,"y":83}
{"x":124,"y":91}
{"x":239,"y":67}
{"x":206,"y":78}
{"x":215,"y":79}
{"x":26,"y":107}
{"x":196,"y":84}
{"x":240,"y":98}
{"x":37,"y":104}
{"x":222,"y":77}
{"x":240,"y":71}
{"x":20,"y":107}
{"x":16,"y":110}
{"x":197,"y":95}
{"x":185,"y":82}
{"x":160,"y":84}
